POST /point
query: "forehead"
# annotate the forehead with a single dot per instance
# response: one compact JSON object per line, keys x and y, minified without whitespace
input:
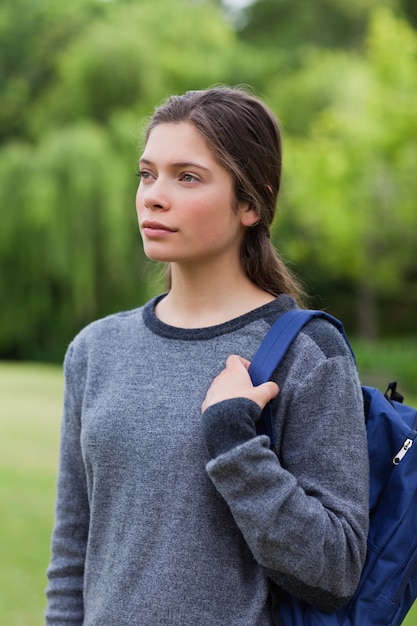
{"x":176,"y":141}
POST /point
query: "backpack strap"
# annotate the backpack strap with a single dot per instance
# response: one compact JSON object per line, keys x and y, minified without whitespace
{"x":273,"y":349}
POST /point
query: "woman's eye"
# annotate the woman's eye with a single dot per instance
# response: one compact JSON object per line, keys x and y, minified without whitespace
{"x":189,"y":178}
{"x":144,"y":175}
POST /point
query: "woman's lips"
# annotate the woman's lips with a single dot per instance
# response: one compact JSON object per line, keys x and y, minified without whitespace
{"x":155,"y":229}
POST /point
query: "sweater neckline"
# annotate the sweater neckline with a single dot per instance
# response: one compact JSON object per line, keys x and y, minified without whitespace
{"x":271,"y":310}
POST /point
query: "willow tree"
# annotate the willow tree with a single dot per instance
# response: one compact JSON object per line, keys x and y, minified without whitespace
{"x":69,"y":242}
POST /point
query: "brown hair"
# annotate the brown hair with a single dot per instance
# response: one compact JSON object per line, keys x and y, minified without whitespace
{"x":245,"y":138}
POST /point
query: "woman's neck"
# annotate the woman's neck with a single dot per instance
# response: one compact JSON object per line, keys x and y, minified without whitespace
{"x":198,"y":299}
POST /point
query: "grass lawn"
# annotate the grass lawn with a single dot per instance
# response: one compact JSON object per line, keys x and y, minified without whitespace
{"x":30,"y":401}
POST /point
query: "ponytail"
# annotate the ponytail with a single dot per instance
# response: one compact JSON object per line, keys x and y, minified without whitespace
{"x":264,"y":266}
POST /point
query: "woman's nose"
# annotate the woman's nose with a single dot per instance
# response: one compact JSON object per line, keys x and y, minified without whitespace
{"x":156,"y":196}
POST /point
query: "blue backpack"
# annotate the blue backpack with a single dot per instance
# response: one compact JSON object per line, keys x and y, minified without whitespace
{"x":388,"y":585}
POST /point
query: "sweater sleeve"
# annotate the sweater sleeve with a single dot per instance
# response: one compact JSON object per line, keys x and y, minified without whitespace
{"x":304,"y":514}
{"x":69,"y":538}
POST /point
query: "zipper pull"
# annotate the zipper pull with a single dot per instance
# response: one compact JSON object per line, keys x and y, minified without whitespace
{"x":402,"y":452}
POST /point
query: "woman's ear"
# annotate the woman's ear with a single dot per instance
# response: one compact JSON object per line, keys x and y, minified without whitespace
{"x":248,"y":216}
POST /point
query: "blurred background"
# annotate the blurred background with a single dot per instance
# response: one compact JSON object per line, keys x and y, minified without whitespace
{"x":77,"y":82}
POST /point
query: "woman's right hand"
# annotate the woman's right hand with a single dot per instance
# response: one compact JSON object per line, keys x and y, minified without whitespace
{"x":234,"y":382}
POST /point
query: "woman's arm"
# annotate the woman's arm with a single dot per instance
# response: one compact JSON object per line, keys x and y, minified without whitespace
{"x":69,"y":539}
{"x":305,"y":514}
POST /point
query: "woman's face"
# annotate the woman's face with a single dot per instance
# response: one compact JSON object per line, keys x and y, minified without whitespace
{"x":185,"y":200}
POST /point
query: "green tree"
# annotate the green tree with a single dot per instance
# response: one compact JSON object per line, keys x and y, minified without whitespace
{"x":69,"y":239}
{"x":69,"y":243}
{"x":350,"y":181}
{"x":32,"y":36}
{"x":290,"y":27}
{"x":137,"y":54}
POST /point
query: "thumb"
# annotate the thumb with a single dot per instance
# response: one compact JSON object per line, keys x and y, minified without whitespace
{"x":262,"y":394}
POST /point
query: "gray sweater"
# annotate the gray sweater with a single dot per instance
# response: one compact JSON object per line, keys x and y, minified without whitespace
{"x":168,"y":517}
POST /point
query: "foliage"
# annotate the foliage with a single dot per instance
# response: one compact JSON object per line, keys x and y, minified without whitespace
{"x":392,"y":359}
{"x":33,"y":34}
{"x":78,"y":80}
{"x":292,"y":27}
{"x":130,"y":59}
{"x":69,"y":244}
{"x":66,"y":251}
{"x":350,"y":178}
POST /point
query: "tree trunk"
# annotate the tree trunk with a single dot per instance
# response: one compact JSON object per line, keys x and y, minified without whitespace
{"x":366,"y":312}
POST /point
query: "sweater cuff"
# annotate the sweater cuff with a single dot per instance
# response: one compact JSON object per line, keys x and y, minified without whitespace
{"x":229,"y":423}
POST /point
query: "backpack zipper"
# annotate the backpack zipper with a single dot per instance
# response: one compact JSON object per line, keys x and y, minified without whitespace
{"x":402,"y":451}
{"x":407,"y":443}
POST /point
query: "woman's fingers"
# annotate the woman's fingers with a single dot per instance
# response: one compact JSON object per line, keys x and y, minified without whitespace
{"x":234,"y":382}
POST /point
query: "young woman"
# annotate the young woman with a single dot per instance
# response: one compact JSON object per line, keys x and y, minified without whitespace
{"x":170,"y":509}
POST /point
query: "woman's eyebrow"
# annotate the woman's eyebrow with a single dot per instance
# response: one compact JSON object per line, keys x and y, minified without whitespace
{"x":179,"y":164}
